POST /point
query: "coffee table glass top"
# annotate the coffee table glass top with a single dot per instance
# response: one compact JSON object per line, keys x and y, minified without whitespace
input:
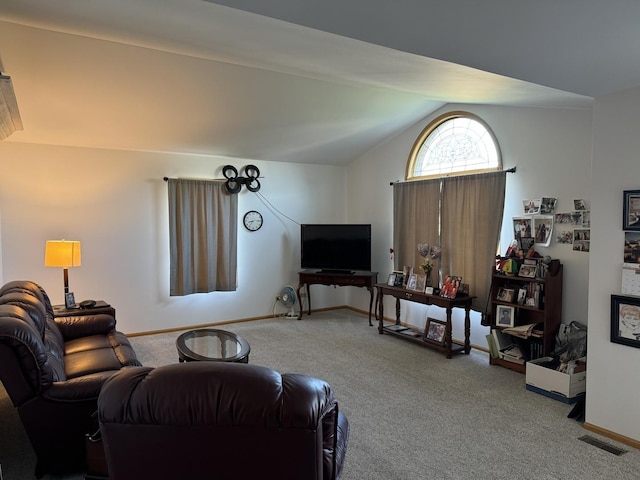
{"x":210,"y":344}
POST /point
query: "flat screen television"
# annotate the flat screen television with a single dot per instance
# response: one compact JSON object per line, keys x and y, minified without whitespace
{"x":336,"y":247}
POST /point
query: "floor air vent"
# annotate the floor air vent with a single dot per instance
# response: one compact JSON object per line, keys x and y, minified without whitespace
{"x":602,"y":445}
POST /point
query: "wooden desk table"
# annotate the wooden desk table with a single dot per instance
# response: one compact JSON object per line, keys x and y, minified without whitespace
{"x":340,"y":279}
{"x":449,"y":304}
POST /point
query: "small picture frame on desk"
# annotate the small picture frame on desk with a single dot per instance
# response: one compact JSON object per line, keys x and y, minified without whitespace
{"x":421,"y":283}
{"x":435,"y":331}
{"x":391,"y":281}
{"x":411,"y":283}
{"x":69,"y":300}
{"x":406,"y":273}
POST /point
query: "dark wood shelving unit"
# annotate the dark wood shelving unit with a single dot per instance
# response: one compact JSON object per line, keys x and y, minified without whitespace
{"x":547,"y":312}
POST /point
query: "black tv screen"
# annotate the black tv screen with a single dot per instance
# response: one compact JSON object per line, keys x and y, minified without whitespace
{"x":336,"y":247}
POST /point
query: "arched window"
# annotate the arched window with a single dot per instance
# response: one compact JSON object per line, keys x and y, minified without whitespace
{"x":453,"y":144}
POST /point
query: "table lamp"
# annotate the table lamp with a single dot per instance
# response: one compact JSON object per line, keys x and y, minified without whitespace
{"x":63,"y":254}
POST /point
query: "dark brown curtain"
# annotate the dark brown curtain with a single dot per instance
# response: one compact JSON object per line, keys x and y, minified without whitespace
{"x":203,"y":226}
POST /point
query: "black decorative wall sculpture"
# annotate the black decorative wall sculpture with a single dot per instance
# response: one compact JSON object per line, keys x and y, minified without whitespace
{"x":234,"y":182}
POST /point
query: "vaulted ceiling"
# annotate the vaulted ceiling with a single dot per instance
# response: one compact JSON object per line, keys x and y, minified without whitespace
{"x":297,"y":80}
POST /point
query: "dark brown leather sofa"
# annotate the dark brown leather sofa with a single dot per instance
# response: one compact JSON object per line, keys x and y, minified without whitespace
{"x":53,"y":370}
{"x":206,"y":420}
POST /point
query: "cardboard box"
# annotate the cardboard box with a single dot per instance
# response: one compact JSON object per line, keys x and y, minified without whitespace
{"x":557,"y":385}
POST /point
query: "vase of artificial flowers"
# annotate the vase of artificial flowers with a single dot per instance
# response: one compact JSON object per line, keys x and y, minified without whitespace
{"x":429,"y":254}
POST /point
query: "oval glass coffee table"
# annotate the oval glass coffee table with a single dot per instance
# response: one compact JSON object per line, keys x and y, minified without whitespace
{"x":213,"y":345}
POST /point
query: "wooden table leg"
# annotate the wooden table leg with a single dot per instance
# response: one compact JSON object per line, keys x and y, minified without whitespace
{"x":447,"y":333}
{"x":300,"y":300}
{"x":380,"y":308}
{"x":371,"y":303}
{"x":467,"y":330}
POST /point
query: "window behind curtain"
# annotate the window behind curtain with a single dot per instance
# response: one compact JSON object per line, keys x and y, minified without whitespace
{"x":203,"y":229}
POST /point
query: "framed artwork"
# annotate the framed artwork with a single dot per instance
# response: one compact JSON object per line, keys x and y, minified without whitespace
{"x":450,"y":286}
{"x":435,"y":330}
{"x":69,"y":300}
{"x":505,"y":295}
{"x":522,"y":227}
{"x":522,"y":296}
{"x":527,"y":270}
{"x":505,"y":316}
{"x":548,"y":205}
{"x":631,"y":210}
{"x":625,"y":320}
{"x":579,"y":204}
{"x":391,"y":281}
{"x":542,"y":228}
{"x":531,"y":207}
{"x":406,"y":272}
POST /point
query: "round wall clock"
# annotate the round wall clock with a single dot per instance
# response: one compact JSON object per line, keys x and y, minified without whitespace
{"x":252,"y":220}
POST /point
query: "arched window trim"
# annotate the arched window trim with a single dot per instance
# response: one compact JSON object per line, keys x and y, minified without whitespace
{"x":428,"y":130}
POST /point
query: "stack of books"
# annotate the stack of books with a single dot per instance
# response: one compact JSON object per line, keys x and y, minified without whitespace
{"x":514,"y":354}
{"x":503,"y":346}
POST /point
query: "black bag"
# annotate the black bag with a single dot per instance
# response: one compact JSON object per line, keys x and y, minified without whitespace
{"x":571,"y":342}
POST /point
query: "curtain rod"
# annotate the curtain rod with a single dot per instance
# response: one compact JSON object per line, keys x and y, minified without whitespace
{"x":511,"y":170}
{"x":166,"y":179}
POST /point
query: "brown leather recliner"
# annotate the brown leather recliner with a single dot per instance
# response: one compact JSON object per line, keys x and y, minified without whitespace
{"x":53,"y":370}
{"x":215,"y":420}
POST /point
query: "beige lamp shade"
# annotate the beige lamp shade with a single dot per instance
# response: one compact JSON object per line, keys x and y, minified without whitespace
{"x":62,"y":253}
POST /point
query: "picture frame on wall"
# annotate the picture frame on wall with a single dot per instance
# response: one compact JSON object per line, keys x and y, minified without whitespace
{"x":543,"y":229}
{"x":631,"y":210}
{"x":625,"y":320}
{"x":505,"y":316}
{"x":435,"y":331}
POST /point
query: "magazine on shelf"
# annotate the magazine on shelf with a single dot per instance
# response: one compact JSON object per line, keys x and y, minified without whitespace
{"x":514,"y":354}
{"x":523,"y":331}
{"x":395,"y":328}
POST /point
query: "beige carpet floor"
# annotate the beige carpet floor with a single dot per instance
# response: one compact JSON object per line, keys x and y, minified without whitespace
{"x":414,"y":414}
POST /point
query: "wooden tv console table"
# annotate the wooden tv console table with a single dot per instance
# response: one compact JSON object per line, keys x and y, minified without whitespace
{"x":340,"y":279}
{"x":449,"y":347}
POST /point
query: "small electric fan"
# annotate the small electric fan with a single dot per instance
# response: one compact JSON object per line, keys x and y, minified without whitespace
{"x":287,"y":298}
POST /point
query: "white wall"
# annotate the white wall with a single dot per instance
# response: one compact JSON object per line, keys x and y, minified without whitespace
{"x":551,"y":149}
{"x":613,"y":377}
{"x":115,"y":203}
